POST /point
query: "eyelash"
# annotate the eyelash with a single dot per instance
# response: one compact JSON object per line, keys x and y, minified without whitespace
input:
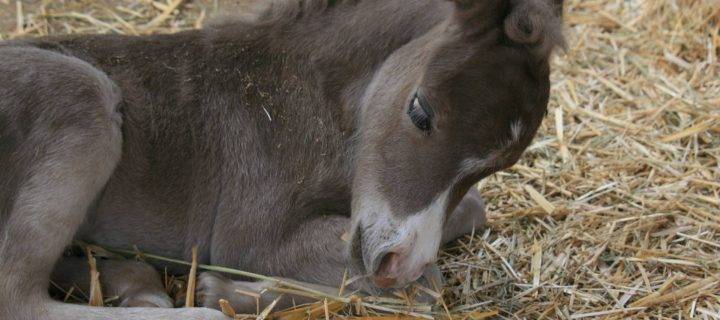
{"x":419,"y":113}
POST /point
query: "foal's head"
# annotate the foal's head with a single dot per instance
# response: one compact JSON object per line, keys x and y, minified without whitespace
{"x":444,"y":111}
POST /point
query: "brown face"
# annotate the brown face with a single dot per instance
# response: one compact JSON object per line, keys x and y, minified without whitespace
{"x":444,"y":111}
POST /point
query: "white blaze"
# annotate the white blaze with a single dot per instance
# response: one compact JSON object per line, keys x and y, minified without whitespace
{"x":515,"y":131}
{"x":422,"y":233}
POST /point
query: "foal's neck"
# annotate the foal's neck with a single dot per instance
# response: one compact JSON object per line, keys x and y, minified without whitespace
{"x":340,"y":48}
{"x":344,"y":45}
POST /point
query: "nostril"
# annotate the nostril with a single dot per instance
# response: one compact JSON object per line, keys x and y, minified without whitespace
{"x":386,"y":272}
{"x":388,"y":264}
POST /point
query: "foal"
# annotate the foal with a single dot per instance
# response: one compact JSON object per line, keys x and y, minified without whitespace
{"x":263,"y":143}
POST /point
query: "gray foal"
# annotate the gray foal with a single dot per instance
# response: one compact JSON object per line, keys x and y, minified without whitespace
{"x":263,"y":142}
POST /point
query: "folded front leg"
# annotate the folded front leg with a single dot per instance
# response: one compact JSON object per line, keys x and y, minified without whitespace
{"x":314,"y":256}
{"x":311,"y":252}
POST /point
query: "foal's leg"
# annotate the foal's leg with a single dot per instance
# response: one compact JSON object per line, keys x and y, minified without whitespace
{"x":59,"y":143}
{"x":318,"y":255}
{"x":135,"y":283}
{"x":314,"y":253}
{"x":64,"y":146}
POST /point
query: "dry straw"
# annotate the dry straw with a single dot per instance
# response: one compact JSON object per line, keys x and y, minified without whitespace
{"x":613,"y":212}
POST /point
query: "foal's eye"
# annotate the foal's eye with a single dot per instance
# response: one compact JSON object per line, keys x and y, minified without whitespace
{"x":420,"y":113}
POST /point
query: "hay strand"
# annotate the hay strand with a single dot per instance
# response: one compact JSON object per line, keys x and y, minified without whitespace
{"x":96,"y":296}
{"x":192,"y":278}
{"x":226,"y":308}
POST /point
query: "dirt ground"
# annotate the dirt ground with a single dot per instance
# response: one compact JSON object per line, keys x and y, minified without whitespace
{"x":613,"y":212}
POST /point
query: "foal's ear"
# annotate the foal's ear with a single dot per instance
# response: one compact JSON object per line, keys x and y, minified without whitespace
{"x":537,"y":24}
{"x":527,"y":22}
{"x":533,"y":21}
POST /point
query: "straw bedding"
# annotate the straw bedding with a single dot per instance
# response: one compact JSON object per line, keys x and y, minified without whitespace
{"x":613,"y":212}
